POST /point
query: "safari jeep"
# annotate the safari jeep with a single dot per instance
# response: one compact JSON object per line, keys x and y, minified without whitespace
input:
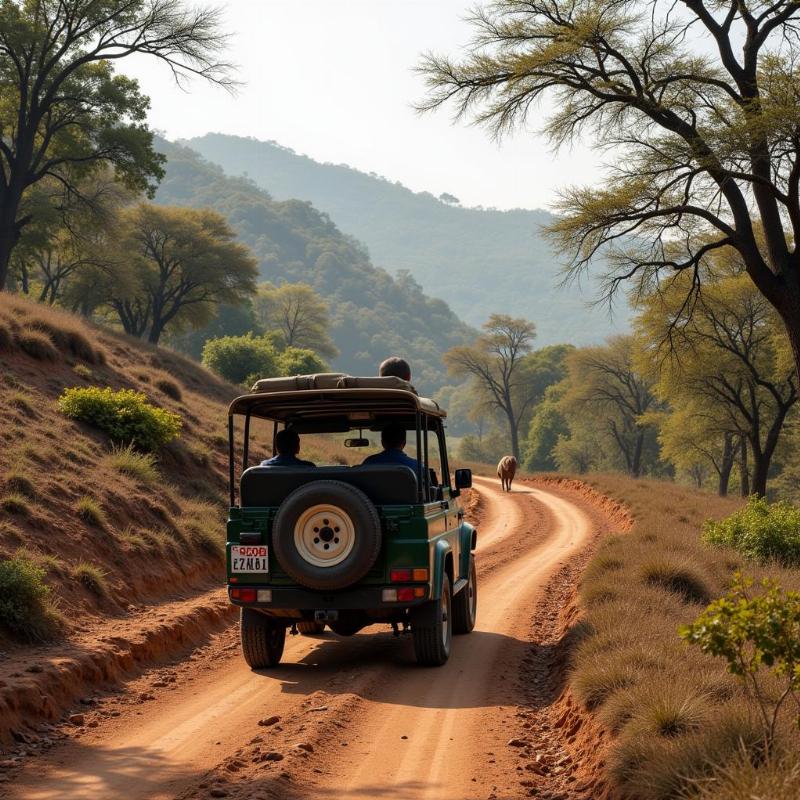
{"x":346,"y":546}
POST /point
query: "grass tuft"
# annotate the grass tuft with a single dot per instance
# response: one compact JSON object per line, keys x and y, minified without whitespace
{"x":682,"y":580}
{"x":92,"y":577}
{"x":37,"y":344}
{"x":17,"y":483}
{"x":129,"y":461}
{"x":91,"y":512}
{"x":15,"y":504}
{"x":169,"y":388}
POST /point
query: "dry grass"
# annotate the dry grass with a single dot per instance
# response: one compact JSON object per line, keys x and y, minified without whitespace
{"x":677,"y":716}
{"x":15,"y":504}
{"x":137,"y":465}
{"x":36,"y":344}
{"x":91,"y":512}
{"x":92,"y":577}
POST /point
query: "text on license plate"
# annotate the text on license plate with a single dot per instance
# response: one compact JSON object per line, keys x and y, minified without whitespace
{"x":249,"y":558}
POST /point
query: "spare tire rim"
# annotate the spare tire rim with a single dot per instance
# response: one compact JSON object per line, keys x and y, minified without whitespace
{"x":324,"y":535}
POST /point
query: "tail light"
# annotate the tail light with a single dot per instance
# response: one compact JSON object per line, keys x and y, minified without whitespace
{"x":242,"y":594}
{"x":417,"y":575}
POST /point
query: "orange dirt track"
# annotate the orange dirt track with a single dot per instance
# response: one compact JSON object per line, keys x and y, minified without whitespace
{"x":356,"y":718}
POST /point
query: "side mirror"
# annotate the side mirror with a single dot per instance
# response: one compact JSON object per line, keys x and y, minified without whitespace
{"x":356,"y":442}
{"x":463,"y":479}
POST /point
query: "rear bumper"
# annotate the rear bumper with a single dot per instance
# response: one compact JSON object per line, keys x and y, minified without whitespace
{"x":360,"y":599}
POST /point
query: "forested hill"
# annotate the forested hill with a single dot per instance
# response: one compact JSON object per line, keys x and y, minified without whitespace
{"x":374,"y":314}
{"x":478,"y":260}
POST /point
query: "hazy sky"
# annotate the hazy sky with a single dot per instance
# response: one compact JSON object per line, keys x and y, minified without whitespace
{"x":334,"y":79}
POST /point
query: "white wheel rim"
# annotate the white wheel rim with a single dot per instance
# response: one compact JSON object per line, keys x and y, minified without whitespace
{"x":324,"y":535}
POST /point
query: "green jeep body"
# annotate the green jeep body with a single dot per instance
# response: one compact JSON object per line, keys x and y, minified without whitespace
{"x":396,"y":546}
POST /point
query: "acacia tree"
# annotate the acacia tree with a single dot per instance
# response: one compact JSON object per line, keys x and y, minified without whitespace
{"x":185,"y":262}
{"x":299,"y":314}
{"x":701,"y":137}
{"x":606,"y":390}
{"x":727,"y":357}
{"x":495,"y":362}
{"x":64,"y":113}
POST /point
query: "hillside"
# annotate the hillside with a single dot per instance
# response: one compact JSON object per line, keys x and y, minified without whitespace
{"x":478,"y":260}
{"x":374,"y":314}
{"x":109,"y":532}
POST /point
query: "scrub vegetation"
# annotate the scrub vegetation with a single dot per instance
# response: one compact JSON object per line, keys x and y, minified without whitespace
{"x":686,"y":720}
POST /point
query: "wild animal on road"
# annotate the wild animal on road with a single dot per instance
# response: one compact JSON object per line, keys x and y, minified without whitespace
{"x":506,"y":470}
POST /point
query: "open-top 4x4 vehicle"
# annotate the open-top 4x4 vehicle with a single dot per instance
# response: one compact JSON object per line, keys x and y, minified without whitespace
{"x":347,"y":546}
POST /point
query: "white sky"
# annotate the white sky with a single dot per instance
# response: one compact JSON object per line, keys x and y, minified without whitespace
{"x":333,"y":79}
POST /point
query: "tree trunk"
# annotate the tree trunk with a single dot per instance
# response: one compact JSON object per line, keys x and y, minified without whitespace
{"x":744,"y":469}
{"x":760,"y":471}
{"x":726,"y":466}
{"x":514,"y":434}
{"x":636,"y":463}
{"x":8,"y":240}
{"x":156,"y":329}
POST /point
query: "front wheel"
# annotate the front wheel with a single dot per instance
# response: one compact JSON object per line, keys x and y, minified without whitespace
{"x":465,"y":603}
{"x":433,"y":629}
{"x":262,"y":639}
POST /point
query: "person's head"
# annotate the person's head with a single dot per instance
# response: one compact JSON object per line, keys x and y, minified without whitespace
{"x":398,"y":367}
{"x":287,"y":443}
{"x":393,"y":437}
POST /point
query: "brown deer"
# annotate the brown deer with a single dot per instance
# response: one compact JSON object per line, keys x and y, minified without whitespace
{"x":506,"y":470}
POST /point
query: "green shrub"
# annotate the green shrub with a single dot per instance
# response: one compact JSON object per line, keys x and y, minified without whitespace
{"x":90,"y":511}
{"x":758,"y":636}
{"x":92,"y":577}
{"x":37,"y":344}
{"x":760,"y":530}
{"x":124,"y":415}
{"x":236,"y":358}
{"x":300,"y":361}
{"x":129,"y":461}
{"x":25,"y":611}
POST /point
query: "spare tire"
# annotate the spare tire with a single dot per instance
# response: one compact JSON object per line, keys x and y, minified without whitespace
{"x":326,"y":535}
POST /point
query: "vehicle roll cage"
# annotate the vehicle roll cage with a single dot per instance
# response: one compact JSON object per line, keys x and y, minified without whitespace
{"x":341,"y":410}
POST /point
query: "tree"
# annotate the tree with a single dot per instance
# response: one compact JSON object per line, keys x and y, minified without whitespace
{"x":610,"y":395}
{"x":494,"y":363}
{"x":727,"y":357}
{"x":692,"y":440}
{"x":548,"y":425}
{"x":186,"y":261}
{"x":698,"y":101}
{"x":300,"y":361}
{"x":299,"y":313}
{"x":65,"y":114}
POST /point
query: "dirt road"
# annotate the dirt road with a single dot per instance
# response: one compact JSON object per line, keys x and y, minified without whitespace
{"x":355,"y":717}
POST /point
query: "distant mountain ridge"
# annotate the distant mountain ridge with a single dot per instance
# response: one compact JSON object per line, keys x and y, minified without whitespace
{"x":374,"y":314}
{"x":479,"y":260}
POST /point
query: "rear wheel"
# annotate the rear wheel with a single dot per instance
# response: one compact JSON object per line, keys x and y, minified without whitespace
{"x":465,"y":603}
{"x":262,"y":639}
{"x":433,"y":630}
{"x":311,"y":628}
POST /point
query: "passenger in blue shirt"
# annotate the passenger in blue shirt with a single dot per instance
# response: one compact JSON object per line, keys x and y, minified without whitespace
{"x":287,"y":443}
{"x":393,"y":439}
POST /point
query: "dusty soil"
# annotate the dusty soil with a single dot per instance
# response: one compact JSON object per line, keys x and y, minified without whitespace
{"x":356,"y":717}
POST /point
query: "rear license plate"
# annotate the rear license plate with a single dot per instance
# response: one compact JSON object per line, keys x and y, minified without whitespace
{"x":249,"y":558}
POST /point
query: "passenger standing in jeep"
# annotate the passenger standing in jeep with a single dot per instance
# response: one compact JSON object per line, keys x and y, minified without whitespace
{"x":398,"y":367}
{"x":287,"y":443}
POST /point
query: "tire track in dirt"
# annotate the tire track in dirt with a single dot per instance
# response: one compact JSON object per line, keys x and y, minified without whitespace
{"x":349,"y":702}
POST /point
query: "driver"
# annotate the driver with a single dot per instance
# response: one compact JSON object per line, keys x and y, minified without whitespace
{"x":287,"y":443}
{"x":393,"y":439}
